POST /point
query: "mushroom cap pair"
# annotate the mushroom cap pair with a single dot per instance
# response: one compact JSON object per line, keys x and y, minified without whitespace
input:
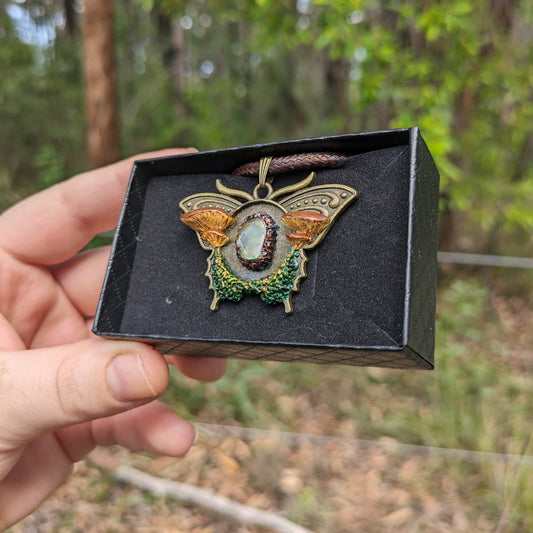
{"x":210,"y":222}
{"x":305,"y":225}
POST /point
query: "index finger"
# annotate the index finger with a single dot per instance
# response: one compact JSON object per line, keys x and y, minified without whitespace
{"x":51,"y":226}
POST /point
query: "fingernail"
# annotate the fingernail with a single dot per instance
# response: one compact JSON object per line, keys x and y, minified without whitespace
{"x":196,"y":433}
{"x":127,"y":380}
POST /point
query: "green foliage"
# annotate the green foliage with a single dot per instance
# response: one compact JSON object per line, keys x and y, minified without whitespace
{"x":50,"y":166}
{"x":41,"y":114}
{"x":99,"y":241}
{"x":258,"y":70}
{"x":306,"y":509}
{"x":237,"y":396}
{"x":276,"y":288}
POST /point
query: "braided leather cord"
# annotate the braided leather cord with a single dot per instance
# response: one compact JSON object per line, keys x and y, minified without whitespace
{"x":289,"y":163}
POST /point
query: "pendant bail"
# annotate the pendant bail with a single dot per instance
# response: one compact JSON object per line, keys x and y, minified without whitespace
{"x":264,"y":164}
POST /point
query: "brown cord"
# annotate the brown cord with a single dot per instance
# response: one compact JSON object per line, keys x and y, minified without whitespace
{"x":289,"y":163}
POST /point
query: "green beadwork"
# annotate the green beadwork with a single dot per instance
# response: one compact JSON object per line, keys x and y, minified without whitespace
{"x":275,"y":288}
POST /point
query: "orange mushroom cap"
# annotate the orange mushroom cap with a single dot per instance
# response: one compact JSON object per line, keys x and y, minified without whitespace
{"x":298,"y":240}
{"x":309,"y":223}
{"x":206,"y":218}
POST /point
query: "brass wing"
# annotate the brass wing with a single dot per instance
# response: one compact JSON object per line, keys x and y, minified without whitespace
{"x":203,"y":200}
{"x":328,"y":200}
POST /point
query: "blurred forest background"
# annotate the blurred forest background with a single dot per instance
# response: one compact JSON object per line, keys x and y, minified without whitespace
{"x":85,"y":82}
{"x":218,"y":74}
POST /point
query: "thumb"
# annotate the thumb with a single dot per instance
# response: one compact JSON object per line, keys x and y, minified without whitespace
{"x":49,"y":388}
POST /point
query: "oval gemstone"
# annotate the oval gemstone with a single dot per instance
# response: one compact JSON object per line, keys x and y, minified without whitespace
{"x":256,"y":241}
{"x":251,"y":238}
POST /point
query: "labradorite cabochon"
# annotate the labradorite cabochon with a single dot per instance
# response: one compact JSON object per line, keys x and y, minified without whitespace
{"x":256,"y":241}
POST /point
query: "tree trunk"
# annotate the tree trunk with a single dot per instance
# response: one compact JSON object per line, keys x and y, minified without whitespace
{"x":100,"y":83}
{"x":338,"y":73}
{"x":71,"y":23}
{"x":176,"y":35}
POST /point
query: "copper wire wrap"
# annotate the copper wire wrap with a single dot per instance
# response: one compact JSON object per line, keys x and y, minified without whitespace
{"x":288,"y":163}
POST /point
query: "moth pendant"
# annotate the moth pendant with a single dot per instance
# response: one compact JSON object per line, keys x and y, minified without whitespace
{"x":258,"y":241}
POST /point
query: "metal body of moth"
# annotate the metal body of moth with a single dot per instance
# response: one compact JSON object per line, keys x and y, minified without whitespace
{"x":258,"y":241}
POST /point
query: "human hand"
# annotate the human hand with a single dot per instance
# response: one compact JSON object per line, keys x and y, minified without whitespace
{"x":62,"y":390}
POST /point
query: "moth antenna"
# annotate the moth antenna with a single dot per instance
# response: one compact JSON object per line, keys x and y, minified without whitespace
{"x":236,"y":193}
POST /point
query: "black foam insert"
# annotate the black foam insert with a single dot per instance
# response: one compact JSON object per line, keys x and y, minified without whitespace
{"x":357,"y":294}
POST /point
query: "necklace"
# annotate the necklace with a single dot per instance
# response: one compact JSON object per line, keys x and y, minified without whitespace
{"x":258,"y":241}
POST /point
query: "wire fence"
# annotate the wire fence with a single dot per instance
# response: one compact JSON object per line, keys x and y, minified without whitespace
{"x":485,"y":260}
{"x":386,"y":446}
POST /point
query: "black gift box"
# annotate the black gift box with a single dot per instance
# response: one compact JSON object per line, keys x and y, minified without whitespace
{"x":369,"y":295}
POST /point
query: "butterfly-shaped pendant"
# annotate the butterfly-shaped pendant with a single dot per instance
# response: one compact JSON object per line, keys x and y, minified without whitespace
{"x":258,"y":241}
